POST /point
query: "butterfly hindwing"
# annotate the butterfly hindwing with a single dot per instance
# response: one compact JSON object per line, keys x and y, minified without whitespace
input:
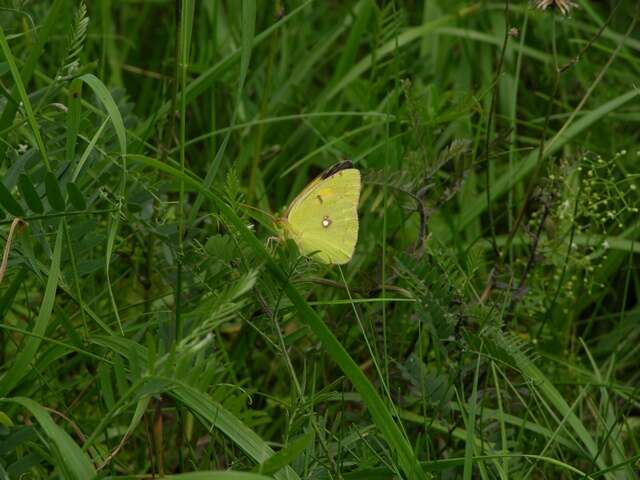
{"x":323,"y":219}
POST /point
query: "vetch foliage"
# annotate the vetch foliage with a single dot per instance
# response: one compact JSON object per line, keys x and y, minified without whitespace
{"x":486,"y":326}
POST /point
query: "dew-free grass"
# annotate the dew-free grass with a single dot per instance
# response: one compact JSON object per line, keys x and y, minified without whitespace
{"x":487,"y":324}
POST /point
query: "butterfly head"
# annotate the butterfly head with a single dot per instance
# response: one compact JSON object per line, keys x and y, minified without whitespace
{"x":282,"y":226}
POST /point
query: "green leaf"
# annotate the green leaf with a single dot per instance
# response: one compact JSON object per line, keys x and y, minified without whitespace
{"x":54,"y":194}
{"x":30,"y":194}
{"x":9,"y":203}
{"x":285,"y":456}
{"x":5,"y":420}
{"x":76,"y":197}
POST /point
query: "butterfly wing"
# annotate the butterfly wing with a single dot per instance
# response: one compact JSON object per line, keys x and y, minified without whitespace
{"x":344,"y":165}
{"x":324,"y":218}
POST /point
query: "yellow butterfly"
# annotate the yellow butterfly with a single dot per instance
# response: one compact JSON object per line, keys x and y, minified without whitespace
{"x":323,"y":218}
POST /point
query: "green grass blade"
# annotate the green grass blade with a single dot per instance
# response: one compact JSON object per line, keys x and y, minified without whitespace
{"x":206,"y":79}
{"x":551,"y":394}
{"x":35,"y":52}
{"x":248,"y":37}
{"x":19,"y":85}
{"x":9,"y":295}
{"x":217,"y":416}
{"x":30,"y":345}
{"x":506,"y":182}
{"x":104,"y":96}
{"x":471,"y":425}
{"x":73,"y":462}
{"x":222,"y":475}
{"x":285,"y":456}
{"x":73,"y":119}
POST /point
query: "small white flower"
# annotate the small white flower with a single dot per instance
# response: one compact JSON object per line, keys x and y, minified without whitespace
{"x":605,"y":244}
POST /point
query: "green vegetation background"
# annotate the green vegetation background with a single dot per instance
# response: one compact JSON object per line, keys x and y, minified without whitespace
{"x":488,"y":325}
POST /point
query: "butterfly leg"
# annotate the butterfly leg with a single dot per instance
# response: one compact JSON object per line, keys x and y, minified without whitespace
{"x":272,"y":242}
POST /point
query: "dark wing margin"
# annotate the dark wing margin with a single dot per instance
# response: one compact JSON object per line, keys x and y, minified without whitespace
{"x":336,"y":168}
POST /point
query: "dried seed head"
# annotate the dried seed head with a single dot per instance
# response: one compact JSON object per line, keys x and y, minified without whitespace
{"x":564,"y":6}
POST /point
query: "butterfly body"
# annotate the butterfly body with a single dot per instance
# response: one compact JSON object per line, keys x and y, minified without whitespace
{"x":323,"y":219}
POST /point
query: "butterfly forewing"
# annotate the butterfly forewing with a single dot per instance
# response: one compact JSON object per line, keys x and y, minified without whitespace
{"x":323,"y":220}
{"x":329,"y":172}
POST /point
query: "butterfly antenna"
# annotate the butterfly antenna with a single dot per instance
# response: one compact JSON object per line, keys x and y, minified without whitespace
{"x":251,"y":207}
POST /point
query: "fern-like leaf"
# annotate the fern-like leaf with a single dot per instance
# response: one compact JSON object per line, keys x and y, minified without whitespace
{"x":75,"y":42}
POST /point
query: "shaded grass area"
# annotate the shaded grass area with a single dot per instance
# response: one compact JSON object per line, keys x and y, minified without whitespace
{"x":487,"y":325}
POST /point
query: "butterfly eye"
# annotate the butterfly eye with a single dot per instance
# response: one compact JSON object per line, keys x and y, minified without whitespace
{"x":326,"y":221}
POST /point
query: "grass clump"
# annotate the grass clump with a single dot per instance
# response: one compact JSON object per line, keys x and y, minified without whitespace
{"x":487,"y":325}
